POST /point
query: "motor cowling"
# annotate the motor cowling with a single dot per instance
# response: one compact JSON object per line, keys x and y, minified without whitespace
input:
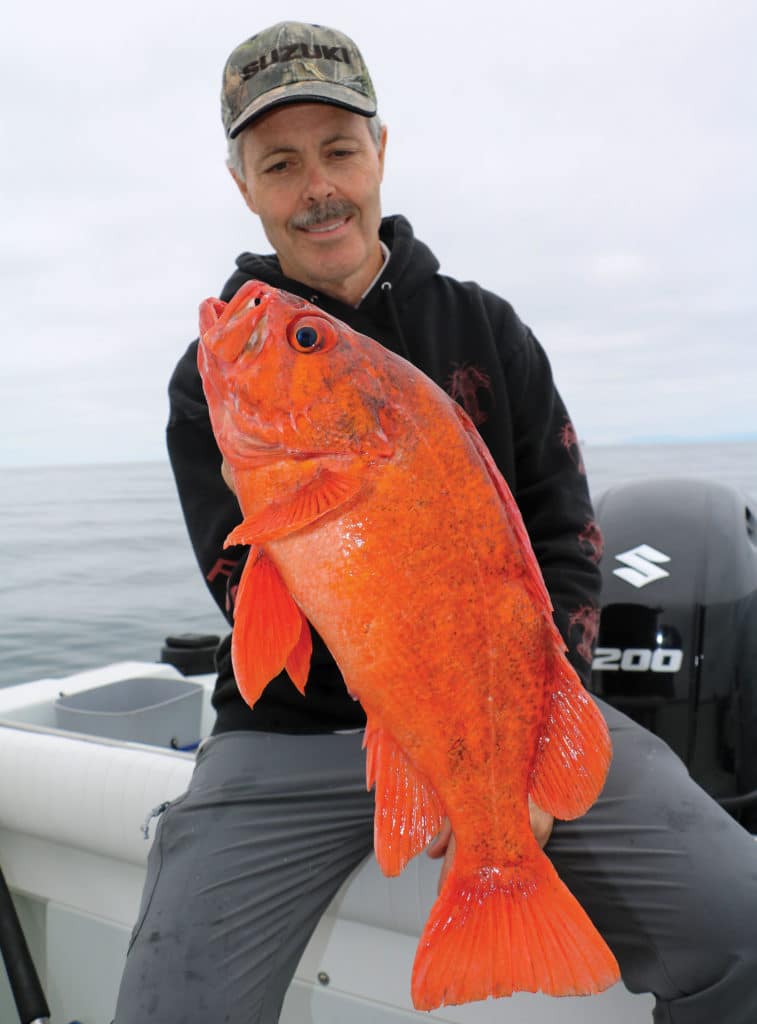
{"x":677,"y":642}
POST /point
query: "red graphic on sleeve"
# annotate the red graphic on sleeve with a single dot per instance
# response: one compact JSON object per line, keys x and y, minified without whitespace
{"x":463,"y":385}
{"x":591,"y":540}
{"x":586,"y":621}
{"x":569,"y":441}
{"x":222,"y":567}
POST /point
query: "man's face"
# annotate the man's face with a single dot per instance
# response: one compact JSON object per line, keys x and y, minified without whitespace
{"x":313,"y":175}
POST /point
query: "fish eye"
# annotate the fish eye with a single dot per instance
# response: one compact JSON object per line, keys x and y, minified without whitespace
{"x":311,"y":333}
{"x":306,"y":337}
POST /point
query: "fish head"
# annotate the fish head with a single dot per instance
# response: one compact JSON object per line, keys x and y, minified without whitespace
{"x":284,"y":379}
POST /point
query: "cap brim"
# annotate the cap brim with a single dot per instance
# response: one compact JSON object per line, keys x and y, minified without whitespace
{"x":303,"y":92}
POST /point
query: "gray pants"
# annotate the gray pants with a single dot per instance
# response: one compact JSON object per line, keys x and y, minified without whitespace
{"x":244,"y":864}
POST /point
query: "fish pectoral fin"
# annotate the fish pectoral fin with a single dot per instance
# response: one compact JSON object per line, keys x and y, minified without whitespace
{"x":270,"y":632}
{"x":575,"y":750}
{"x":327,"y":490}
{"x":408,"y":811}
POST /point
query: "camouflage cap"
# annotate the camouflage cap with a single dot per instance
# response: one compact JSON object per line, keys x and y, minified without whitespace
{"x":289,"y":63}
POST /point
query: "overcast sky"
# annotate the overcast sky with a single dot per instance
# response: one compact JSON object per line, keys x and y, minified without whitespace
{"x":593,"y":161}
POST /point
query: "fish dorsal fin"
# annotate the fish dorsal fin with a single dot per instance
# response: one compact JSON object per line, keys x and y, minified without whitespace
{"x":534,"y":577}
{"x":408,"y":812}
{"x":326,"y":491}
{"x":575,"y":750}
{"x":270,"y":631}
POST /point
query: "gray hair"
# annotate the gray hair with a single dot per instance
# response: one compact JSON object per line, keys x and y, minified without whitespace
{"x":235,"y":162}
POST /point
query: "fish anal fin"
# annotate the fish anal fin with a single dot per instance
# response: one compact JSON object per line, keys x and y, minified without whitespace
{"x":408,"y":811}
{"x":327,"y":490}
{"x":499,"y":930}
{"x":535,"y":580}
{"x":267,"y":627}
{"x":298,"y":662}
{"x":574,"y":751}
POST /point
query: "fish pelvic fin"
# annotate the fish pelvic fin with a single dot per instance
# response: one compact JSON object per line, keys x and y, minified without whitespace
{"x":495,"y":931}
{"x":408,"y":811}
{"x":298,"y":662}
{"x":270,"y":632}
{"x":574,"y":751}
{"x":326,"y":491}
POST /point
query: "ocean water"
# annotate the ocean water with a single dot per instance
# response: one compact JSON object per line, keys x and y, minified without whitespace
{"x":96,"y":565}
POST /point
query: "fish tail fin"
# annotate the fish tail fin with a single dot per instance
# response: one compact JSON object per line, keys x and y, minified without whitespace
{"x":497,"y":931}
{"x":575,"y":750}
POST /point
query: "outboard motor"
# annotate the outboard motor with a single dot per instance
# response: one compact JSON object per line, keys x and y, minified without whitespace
{"x":677,"y":644}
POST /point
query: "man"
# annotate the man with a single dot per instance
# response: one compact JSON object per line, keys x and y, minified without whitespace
{"x":276,"y":816}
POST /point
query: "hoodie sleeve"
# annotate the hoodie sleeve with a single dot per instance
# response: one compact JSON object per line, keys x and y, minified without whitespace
{"x":210,"y":509}
{"x":552,"y":493}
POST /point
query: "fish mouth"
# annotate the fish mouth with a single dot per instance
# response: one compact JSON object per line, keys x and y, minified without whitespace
{"x":230,"y":330}
{"x":255,"y":306}
{"x":241,"y":326}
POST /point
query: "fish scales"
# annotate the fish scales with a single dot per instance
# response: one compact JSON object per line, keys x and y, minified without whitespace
{"x":375,"y":512}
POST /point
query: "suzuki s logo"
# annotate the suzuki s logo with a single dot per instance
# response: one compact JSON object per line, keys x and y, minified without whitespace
{"x":642,"y":565}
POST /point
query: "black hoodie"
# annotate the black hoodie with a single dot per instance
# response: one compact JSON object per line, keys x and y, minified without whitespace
{"x":472,"y":344}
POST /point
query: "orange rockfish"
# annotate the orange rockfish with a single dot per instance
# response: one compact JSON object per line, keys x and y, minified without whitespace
{"x":374,"y":510}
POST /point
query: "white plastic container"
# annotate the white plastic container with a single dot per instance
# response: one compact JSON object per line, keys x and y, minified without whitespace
{"x":158,"y":711}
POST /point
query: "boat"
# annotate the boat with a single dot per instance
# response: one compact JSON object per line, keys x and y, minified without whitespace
{"x":88,"y":760}
{"x":74,"y":838}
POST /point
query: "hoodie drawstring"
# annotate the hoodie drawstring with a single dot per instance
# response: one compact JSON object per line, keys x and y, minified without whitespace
{"x":386,"y":291}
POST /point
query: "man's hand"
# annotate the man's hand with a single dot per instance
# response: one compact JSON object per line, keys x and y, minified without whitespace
{"x":228,"y":479}
{"x":443,"y":846}
{"x":541,"y":823}
{"x":444,"y":843}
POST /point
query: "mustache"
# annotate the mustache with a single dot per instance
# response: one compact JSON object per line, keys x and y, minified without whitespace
{"x":321,"y":213}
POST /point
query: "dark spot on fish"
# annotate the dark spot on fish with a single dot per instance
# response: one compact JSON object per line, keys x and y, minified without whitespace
{"x":457,"y":752}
